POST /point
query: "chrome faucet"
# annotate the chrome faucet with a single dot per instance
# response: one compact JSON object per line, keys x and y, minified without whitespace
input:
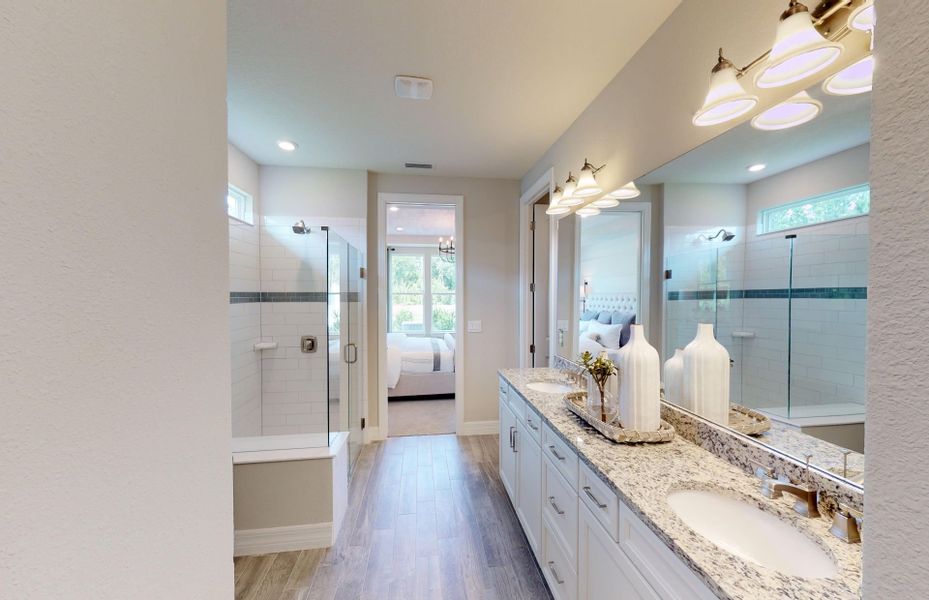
{"x":845,"y":524}
{"x":771,"y":487}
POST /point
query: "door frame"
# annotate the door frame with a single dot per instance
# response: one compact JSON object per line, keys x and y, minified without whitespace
{"x":545,"y":184}
{"x":383,"y":199}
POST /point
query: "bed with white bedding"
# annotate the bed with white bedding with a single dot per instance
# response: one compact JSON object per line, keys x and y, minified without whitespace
{"x":605,"y":323}
{"x":420,"y":366}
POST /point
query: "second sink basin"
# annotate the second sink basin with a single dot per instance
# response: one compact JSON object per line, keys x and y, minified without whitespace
{"x":752,"y":534}
{"x":549,"y":387}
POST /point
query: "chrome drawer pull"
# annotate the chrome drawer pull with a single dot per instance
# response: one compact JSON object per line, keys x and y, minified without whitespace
{"x":551,"y":567}
{"x":555,"y":452}
{"x":516,"y":441}
{"x":594,"y":498}
{"x":534,"y":428}
{"x":512,"y":429}
{"x":551,"y":500}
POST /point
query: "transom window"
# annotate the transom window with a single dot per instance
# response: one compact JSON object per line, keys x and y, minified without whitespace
{"x":239,"y":205}
{"x":834,"y":206}
{"x":422,"y":292}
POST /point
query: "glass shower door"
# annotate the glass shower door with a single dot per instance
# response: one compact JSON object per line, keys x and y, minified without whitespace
{"x":352,"y":353}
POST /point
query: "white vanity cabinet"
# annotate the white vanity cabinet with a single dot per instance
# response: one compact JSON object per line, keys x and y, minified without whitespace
{"x":587,"y":542}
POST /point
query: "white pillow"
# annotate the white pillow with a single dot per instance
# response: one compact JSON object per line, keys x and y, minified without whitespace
{"x":396,"y":339}
{"x":450,"y":341}
{"x":583,"y":326}
{"x":590,"y":335}
{"x":609,"y":334}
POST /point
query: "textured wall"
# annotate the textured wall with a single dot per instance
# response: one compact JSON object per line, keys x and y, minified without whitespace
{"x":114,"y":344}
{"x":897,"y":458}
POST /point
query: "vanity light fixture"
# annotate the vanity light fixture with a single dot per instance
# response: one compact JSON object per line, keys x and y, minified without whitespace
{"x":567,"y":197}
{"x":863,"y":17}
{"x":856,"y":78}
{"x":799,"y":50}
{"x":287,"y":145}
{"x":799,"y":109}
{"x":757,"y":167}
{"x":587,"y":183}
{"x":726,"y":98}
{"x":587,"y":211}
{"x":555,"y":207}
{"x":627,"y":192}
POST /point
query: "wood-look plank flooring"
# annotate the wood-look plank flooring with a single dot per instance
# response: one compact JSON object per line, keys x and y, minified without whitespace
{"x":428,"y":519}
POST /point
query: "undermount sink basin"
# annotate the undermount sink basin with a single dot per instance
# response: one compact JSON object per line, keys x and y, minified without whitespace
{"x":549,"y":387}
{"x":752,"y":534}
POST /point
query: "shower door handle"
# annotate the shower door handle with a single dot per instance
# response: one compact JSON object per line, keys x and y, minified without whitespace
{"x":350,"y":354}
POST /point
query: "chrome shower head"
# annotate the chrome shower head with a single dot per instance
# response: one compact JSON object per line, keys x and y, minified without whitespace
{"x":727,"y":235}
{"x":300,"y":227}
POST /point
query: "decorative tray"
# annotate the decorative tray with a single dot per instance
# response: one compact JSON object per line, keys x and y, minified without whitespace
{"x":747,"y":421}
{"x":576,"y":404}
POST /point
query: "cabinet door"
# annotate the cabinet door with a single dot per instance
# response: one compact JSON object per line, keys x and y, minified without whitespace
{"x":529,"y":482}
{"x":603,"y":571}
{"x":508,"y":470}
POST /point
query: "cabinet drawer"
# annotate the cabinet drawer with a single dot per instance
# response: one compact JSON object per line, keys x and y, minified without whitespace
{"x":564,"y":459}
{"x":559,"y":503}
{"x":517,"y":404}
{"x":664,"y":571}
{"x":533,"y":423}
{"x":561,"y":577}
{"x":601,"y":500}
{"x":502,"y":384}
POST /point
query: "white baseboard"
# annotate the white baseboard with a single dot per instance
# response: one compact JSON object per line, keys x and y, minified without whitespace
{"x":371,"y":434}
{"x":283,"y":539}
{"x":479,"y":428}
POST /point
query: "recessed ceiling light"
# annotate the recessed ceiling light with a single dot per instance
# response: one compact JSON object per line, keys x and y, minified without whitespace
{"x":287,"y":145}
{"x":399,"y":228}
{"x":394,"y":208}
{"x":758,"y":167}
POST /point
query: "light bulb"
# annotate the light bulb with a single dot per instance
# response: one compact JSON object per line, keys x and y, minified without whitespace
{"x":798,"y":51}
{"x":587,"y":182}
{"x":856,"y":78}
{"x":726,"y":98}
{"x":799,"y":109}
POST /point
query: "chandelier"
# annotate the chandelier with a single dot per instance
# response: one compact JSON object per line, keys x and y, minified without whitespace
{"x":447,"y":249}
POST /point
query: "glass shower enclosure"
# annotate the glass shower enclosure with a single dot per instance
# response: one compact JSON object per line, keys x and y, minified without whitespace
{"x":297,"y":344}
{"x":791,"y":310}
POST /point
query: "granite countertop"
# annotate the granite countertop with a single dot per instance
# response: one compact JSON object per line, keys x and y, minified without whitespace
{"x":643,"y":476}
{"x":826,"y":455}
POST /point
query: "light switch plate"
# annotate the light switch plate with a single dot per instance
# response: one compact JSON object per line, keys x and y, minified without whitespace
{"x":474,"y":326}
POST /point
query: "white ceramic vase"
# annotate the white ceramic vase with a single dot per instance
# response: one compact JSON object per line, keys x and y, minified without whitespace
{"x":705,"y":380}
{"x":673,"y":372}
{"x":639,"y":384}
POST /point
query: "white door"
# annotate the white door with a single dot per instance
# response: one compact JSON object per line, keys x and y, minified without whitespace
{"x":529,"y":465}
{"x":603,"y":571}
{"x":508,"y":466}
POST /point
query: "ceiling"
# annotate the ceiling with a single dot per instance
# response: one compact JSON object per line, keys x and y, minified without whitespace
{"x":845,"y":122}
{"x":510,"y":77}
{"x":420,"y":220}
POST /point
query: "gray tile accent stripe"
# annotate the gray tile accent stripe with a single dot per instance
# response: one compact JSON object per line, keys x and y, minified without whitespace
{"x":832,"y":293}
{"x":244,"y":297}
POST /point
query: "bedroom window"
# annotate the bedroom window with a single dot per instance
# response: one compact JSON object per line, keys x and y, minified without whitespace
{"x":422,"y":292}
{"x":834,"y":206}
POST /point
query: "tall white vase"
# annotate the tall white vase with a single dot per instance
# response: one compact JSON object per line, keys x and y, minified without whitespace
{"x":672,"y":377}
{"x":705,"y":381}
{"x":639,"y":384}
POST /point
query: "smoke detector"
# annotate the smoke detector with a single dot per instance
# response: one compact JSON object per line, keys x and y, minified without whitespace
{"x":414,"y":88}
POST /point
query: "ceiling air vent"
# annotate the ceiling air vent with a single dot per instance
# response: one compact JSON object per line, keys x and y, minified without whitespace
{"x":414,"y":88}
{"x":418,"y":165}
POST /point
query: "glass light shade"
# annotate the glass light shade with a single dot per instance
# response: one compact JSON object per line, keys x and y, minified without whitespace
{"x":863,"y":18}
{"x":554,"y":209}
{"x":798,"y":52}
{"x":799,"y":109}
{"x":587,"y":183}
{"x":567,"y":197}
{"x":725,"y":100}
{"x":856,"y":78}
{"x":587,"y":211}
{"x":627,"y":192}
{"x":605,"y":202}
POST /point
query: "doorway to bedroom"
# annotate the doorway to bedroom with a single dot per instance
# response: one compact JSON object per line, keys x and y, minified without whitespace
{"x":420,"y":316}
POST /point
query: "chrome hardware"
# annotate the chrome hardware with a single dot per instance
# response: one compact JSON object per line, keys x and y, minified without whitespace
{"x":590,"y":495}
{"x":512,"y":430}
{"x":761,"y":471}
{"x":845,"y":524}
{"x":845,"y":454}
{"x":350,"y":350}
{"x":308,"y":344}
{"x":806,"y":503}
{"x":555,"y":452}
{"x":551,"y":500}
{"x":551,"y":567}
{"x":516,"y":441}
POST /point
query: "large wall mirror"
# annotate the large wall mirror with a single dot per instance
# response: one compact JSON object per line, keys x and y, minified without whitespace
{"x":765,"y":236}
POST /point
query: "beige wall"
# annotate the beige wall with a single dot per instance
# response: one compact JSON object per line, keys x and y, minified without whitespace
{"x":280,"y":494}
{"x":114,"y":344}
{"x":243,"y":173}
{"x":490,"y":248}
{"x":896,"y":535}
